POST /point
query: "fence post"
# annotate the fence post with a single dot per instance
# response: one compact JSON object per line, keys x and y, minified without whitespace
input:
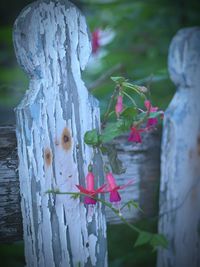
{"x":52,"y":46}
{"x":180,"y":168}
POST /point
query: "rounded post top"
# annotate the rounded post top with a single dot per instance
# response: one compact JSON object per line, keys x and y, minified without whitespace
{"x":49,"y":34}
{"x":184,"y":57}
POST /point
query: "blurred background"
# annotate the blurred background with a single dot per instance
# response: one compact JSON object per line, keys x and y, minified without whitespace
{"x":130,"y":38}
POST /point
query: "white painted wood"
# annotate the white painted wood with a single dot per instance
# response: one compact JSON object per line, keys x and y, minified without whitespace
{"x":180,"y":179}
{"x":52,"y":46}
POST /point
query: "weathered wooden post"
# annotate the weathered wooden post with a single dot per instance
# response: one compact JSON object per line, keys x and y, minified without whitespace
{"x":180,"y":178}
{"x":52,"y":46}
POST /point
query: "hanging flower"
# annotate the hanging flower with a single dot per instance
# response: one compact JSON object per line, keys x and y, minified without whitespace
{"x":89,"y":190}
{"x":134,"y":135}
{"x":151,"y":121}
{"x":119,"y":105}
{"x":95,"y":41}
{"x":100,"y":38}
{"x":113,"y":188}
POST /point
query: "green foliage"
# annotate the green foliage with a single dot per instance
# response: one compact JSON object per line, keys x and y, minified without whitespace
{"x":13,"y":81}
{"x":131,"y":203}
{"x":159,"y":240}
{"x":129,"y":113}
{"x":117,"y":80}
{"x":115,"y":164}
{"x":112,"y":130}
{"x":121,"y":249}
{"x":140,"y":44}
{"x":91,"y":138}
{"x":155,"y":240}
{"x":154,"y":115}
{"x":143,"y":238}
{"x":12,"y":255}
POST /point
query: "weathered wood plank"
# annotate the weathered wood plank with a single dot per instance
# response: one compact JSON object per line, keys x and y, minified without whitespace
{"x":180,"y":179}
{"x":142,"y":163}
{"x":10,"y":212}
{"x":52,"y":46}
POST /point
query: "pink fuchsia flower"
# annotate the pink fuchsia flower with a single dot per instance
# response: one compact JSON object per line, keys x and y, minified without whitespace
{"x":134,"y":135}
{"x":95,"y":41}
{"x":119,"y":105}
{"x":151,"y":121}
{"x":100,"y":38}
{"x":113,"y":188}
{"x":89,"y":190}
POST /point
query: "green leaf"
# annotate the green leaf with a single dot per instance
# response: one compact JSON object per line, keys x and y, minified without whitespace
{"x":143,"y":238}
{"x":115,"y":163}
{"x":111,"y":131}
{"x":118,"y":79}
{"x":124,"y":124}
{"x":103,"y":149}
{"x":114,"y":129}
{"x":141,"y":116}
{"x":129,"y":113}
{"x":159,"y":240}
{"x":75,"y":196}
{"x":91,"y":138}
{"x":133,"y":203}
{"x":154,"y":114}
{"x":134,"y":87}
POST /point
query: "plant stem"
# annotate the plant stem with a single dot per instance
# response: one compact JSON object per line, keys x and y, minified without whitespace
{"x":106,"y":115}
{"x":134,"y":228}
{"x":126,"y":94}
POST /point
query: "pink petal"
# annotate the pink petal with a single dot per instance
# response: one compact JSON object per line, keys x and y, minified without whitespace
{"x":154,"y":109}
{"x":114,"y":196}
{"x":83,"y":190}
{"x":89,"y":200}
{"x":119,"y":105}
{"x":111,"y":180}
{"x":90,"y":181}
{"x":95,"y":41}
{"x":135,"y":135}
{"x":147,"y":104}
{"x":100,"y":189}
{"x":127,"y":184}
{"x":152,"y":122}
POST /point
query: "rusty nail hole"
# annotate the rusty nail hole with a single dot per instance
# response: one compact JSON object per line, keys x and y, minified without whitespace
{"x":87,"y":245}
{"x":66,"y":139}
{"x":48,"y":156}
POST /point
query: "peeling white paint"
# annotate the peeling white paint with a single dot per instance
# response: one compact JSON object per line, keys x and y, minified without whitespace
{"x":92,"y":248}
{"x":25,"y":12}
{"x":56,"y":229}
